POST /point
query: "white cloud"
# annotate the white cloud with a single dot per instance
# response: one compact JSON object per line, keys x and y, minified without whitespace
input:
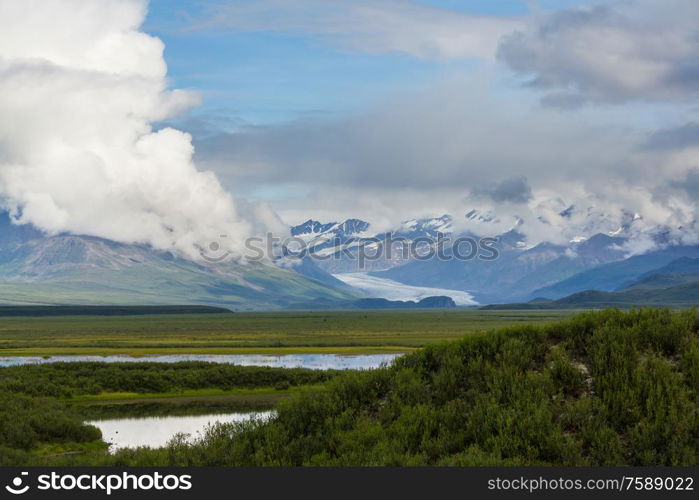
{"x":460,"y":146}
{"x":374,"y":26}
{"x":80,"y":86}
{"x":616,"y":51}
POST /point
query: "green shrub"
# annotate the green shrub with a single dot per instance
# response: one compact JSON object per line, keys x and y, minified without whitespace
{"x":603,"y":388}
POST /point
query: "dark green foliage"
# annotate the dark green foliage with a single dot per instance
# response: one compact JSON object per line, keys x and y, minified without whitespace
{"x":603,"y":388}
{"x":666,"y":291}
{"x":26,"y":422}
{"x":71,"y":379}
{"x":33,"y":414}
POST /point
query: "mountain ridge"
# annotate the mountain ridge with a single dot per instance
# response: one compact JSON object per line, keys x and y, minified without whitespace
{"x":38,"y":269}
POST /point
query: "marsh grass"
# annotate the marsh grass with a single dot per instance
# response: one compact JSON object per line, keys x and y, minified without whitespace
{"x":601,"y":388}
{"x":337,"y":332}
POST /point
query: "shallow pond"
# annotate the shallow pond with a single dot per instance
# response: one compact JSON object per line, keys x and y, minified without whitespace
{"x":155,"y":432}
{"x":313,"y":361}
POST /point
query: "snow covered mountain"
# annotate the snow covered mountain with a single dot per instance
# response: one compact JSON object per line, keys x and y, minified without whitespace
{"x":420,"y":228}
{"x":319,"y":236}
{"x":523,"y":267}
{"x":73,"y":269}
{"x":313,"y":229}
{"x":338,"y":244}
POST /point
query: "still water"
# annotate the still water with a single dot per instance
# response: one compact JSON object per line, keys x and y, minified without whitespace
{"x":313,"y":361}
{"x":155,"y":432}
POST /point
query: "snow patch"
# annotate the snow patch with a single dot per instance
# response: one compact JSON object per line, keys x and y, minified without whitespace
{"x":393,"y":290}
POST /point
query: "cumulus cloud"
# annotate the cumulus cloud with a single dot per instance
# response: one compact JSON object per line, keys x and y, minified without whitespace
{"x":625,"y":50}
{"x":468,"y":143}
{"x":373,"y":26}
{"x":80,"y":86}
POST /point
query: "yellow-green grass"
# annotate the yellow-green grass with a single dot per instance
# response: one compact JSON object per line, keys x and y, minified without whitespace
{"x":342,"y":332}
{"x":202,"y":401}
{"x":137,"y":353}
{"x":211,"y":394}
{"x":48,"y":450}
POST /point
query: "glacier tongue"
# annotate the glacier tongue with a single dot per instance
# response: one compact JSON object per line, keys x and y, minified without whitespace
{"x":393,"y":290}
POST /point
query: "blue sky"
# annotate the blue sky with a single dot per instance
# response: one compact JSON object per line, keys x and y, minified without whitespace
{"x":385,"y":110}
{"x":339,"y":108}
{"x":258,"y":78}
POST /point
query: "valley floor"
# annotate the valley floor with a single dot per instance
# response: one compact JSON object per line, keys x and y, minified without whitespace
{"x":337,"y":332}
{"x":600,"y":388}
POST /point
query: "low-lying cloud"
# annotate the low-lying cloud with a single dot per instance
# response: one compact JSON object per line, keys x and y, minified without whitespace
{"x":372,"y":26}
{"x":456,"y":147}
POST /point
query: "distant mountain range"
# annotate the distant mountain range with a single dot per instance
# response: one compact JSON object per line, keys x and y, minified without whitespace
{"x":520,"y":269}
{"x":336,"y":242}
{"x":522,"y":272}
{"x":676,"y":284}
{"x":517,"y":273}
{"x":69,"y":269}
{"x":616,"y":275}
{"x":586,"y":271}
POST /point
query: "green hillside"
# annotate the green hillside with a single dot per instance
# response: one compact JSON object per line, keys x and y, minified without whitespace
{"x":662,"y":281}
{"x":602,"y":388}
{"x":82,"y":270}
{"x":682,"y":295}
{"x":53,"y":311}
{"x":678,"y":272}
{"x":615,"y":275}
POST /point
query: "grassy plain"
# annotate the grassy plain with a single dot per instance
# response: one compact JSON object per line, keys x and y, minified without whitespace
{"x":602,"y":388}
{"x":185,"y":402}
{"x":340,"y":332}
{"x":72,"y":392}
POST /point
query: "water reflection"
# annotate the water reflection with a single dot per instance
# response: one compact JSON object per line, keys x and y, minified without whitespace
{"x":155,"y":432}
{"x":313,"y":361}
